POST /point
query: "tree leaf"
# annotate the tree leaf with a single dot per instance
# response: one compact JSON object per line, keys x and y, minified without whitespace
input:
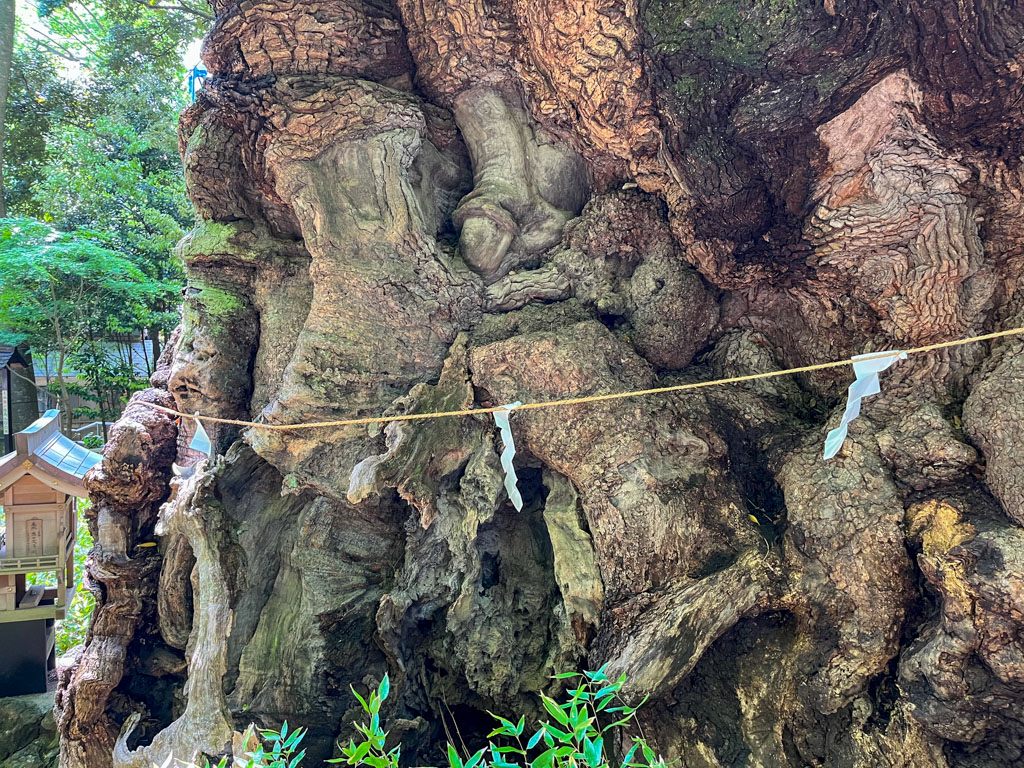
{"x":544,"y":759}
{"x":554,"y":710}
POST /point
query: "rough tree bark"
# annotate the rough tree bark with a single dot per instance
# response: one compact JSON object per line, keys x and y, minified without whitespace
{"x":413,"y":205}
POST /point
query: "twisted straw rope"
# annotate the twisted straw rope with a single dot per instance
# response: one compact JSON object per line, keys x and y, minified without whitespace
{"x":581,"y":400}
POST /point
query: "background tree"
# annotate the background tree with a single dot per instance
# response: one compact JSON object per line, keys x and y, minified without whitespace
{"x":118,"y":37}
{"x":7,"y":17}
{"x":41,"y":103}
{"x":62,"y":292}
{"x":91,"y":148}
{"x":131,"y":191}
{"x":104,"y":380}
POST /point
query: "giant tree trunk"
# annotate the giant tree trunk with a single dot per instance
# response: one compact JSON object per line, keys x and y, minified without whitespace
{"x":419,"y":205}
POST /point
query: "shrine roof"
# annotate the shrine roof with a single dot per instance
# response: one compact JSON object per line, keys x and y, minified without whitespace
{"x":42,"y":451}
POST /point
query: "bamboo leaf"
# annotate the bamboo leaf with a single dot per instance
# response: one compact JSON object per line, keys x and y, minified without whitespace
{"x":554,"y":710}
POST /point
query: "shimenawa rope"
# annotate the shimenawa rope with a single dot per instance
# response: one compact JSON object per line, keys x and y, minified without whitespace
{"x":581,"y":400}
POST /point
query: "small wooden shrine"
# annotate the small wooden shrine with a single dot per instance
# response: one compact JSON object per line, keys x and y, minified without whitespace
{"x":39,"y":482}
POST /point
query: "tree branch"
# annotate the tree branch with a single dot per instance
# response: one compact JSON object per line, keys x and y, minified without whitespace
{"x":56,"y":52}
{"x":76,"y":39}
{"x":85,"y":7}
{"x":74,"y":33}
{"x":182,"y":7}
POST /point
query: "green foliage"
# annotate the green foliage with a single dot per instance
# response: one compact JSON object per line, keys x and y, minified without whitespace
{"x":276,"y":749}
{"x":65,"y":292}
{"x":574,"y":735}
{"x":94,"y":179}
{"x":39,"y":103}
{"x":371,"y":750}
{"x":110,"y":168}
{"x":279,"y":750}
{"x":119,"y":181}
{"x":61,"y":290}
{"x":115,"y":36}
{"x":104,"y":379}
{"x":83,"y":77}
{"x":72,"y":630}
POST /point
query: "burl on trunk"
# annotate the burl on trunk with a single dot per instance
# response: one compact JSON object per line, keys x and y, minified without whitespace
{"x":421,"y":205}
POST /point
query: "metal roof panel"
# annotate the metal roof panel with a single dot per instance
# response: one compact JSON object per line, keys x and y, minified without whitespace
{"x":64,"y":455}
{"x":54,"y":451}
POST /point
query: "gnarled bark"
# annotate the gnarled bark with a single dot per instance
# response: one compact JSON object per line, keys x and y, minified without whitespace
{"x":428,"y":205}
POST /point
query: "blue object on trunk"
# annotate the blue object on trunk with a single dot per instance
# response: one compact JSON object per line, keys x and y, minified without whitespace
{"x":196,"y":77}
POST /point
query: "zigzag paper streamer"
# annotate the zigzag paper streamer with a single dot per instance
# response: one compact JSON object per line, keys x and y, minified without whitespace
{"x":509,"y":453}
{"x":201,"y":440}
{"x":866,"y":384}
